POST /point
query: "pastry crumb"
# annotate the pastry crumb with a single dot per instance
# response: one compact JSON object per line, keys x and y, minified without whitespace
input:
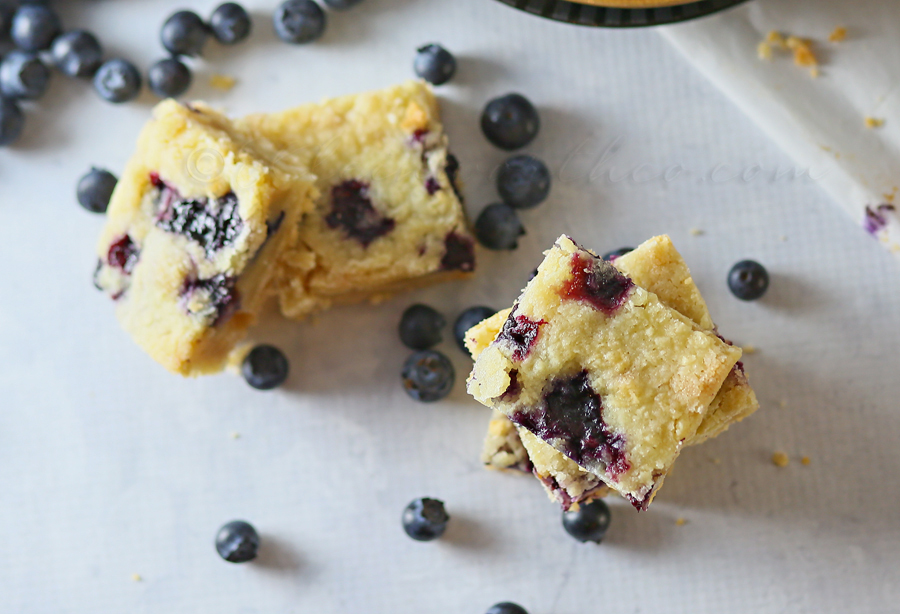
{"x":136,"y":577}
{"x":839,"y":34}
{"x":776,"y":39}
{"x":780,"y":459}
{"x":782,"y":238}
{"x":874,"y":122}
{"x":764,"y":51}
{"x":805,"y":461}
{"x":814,"y":72}
{"x":680,"y":521}
{"x":222,"y":82}
{"x":697,"y":232}
{"x":715,"y":461}
{"x":234,"y":435}
{"x":782,"y":403}
{"x":749,"y":349}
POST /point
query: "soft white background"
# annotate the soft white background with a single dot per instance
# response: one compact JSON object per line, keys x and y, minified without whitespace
{"x":109,"y":466}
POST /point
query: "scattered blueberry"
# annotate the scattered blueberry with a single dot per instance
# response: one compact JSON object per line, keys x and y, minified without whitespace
{"x":23,"y":75}
{"x":299,"y":21}
{"x":425,"y":519}
{"x":265,"y":367}
{"x":466,"y":320}
{"x":184,"y":33}
{"x":230,"y":23}
{"x":428,"y":376}
{"x":420,"y":327}
{"x":748,"y":280}
{"x":117,"y":81}
{"x":34,"y":26}
{"x":169,"y":78}
{"x":237,"y":542}
{"x":95,"y":189}
{"x":434,"y":64}
{"x":341,"y":5}
{"x":506,"y":607}
{"x":77,"y":53}
{"x":617,"y":253}
{"x":523,"y":182}
{"x":498,"y":227}
{"x":589,"y":523}
{"x":510,"y":121}
{"x":12,"y":120}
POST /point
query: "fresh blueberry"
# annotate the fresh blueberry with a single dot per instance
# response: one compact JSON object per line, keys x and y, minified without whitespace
{"x":230,"y":23}
{"x":506,"y":607}
{"x":428,"y":376}
{"x":11,"y":121}
{"x":617,"y":253}
{"x":341,"y":5}
{"x":425,"y":519}
{"x":510,"y":121}
{"x":23,"y":76}
{"x":589,"y":523}
{"x":265,"y":367}
{"x":748,"y":280}
{"x":237,"y":542}
{"x":117,"y":81}
{"x":95,"y":189}
{"x":299,"y":21}
{"x":420,"y":327}
{"x":498,"y":227}
{"x":184,"y":33}
{"x":434,"y":64}
{"x":523,"y":182}
{"x":466,"y":320}
{"x":77,"y":53}
{"x":34,"y":26}
{"x":169,"y":78}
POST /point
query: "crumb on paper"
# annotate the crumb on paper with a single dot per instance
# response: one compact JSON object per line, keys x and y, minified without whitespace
{"x":782,"y":403}
{"x":839,"y":34}
{"x":697,"y":232}
{"x":222,"y":82}
{"x":680,"y":521}
{"x":136,"y":577}
{"x":874,"y":122}
{"x":234,"y":435}
{"x":236,"y":358}
{"x":764,"y":51}
{"x":715,"y":461}
{"x":749,"y":349}
{"x":805,"y":461}
{"x":814,"y":72}
{"x":782,"y":238}
{"x":780,"y":459}
{"x":776,"y":39}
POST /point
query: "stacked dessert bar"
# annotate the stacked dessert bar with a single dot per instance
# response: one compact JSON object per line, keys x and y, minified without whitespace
{"x":334,"y":202}
{"x":602,"y":372}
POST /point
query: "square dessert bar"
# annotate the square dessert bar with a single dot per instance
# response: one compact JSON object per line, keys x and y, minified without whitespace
{"x":658,"y":267}
{"x":193,"y":228}
{"x":602,"y":370}
{"x":389,"y":214}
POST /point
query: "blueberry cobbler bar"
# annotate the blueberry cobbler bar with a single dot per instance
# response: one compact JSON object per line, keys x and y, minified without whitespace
{"x":194,"y":226}
{"x":601,"y":370}
{"x":389,"y":214}
{"x":658,"y":267}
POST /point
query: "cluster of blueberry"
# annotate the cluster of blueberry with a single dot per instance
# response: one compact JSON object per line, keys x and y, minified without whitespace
{"x":428,"y":374}
{"x":511,"y":122}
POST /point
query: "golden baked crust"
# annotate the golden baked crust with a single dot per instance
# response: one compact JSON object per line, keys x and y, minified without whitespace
{"x":386,"y":147}
{"x":644,"y":374}
{"x":184,"y":302}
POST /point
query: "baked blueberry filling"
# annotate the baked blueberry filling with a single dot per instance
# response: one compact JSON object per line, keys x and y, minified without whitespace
{"x":596,"y":282}
{"x":571,"y":415}
{"x":459,"y":253}
{"x":452,"y":170}
{"x":352,"y":211}
{"x":216,"y":297}
{"x":876,"y":218}
{"x":123,"y":254}
{"x":520,"y":333}
{"x":514,"y":389}
{"x":213,"y":223}
{"x":432,"y":186}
